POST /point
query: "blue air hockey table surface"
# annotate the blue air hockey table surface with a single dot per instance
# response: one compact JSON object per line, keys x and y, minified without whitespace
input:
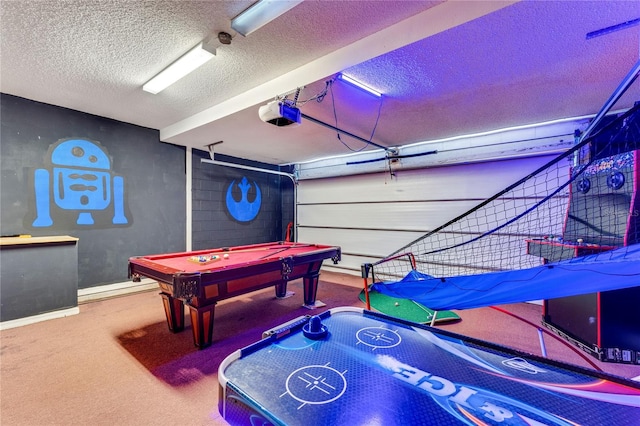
{"x":349,"y":366}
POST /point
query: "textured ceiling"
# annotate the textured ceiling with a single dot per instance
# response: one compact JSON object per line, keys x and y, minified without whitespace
{"x":445,"y":68}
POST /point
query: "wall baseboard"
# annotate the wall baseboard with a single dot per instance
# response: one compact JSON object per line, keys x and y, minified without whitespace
{"x":86,"y":295}
{"x":5,"y":325}
{"x":93,"y":294}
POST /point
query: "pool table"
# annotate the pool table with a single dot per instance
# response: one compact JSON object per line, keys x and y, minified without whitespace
{"x":201,"y":278}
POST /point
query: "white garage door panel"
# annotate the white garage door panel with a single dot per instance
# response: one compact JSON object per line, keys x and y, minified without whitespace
{"x":352,"y":241}
{"x":349,"y":264}
{"x":372,"y":216}
{"x":338,"y":268}
{"x":426,"y":216}
{"x":417,"y":216}
{"x":473,"y":181}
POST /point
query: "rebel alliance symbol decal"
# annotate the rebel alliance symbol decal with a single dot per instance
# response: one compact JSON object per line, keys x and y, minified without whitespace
{"x":243,"y":210}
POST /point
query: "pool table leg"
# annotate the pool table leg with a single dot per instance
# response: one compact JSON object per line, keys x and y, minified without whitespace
{"x":174,"y":311}
{"x":281,"y":290}
{"x":310,"y":284}
{"x":202,"y":324}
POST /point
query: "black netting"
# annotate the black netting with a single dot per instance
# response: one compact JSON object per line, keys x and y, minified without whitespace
{"x":581,"y":202}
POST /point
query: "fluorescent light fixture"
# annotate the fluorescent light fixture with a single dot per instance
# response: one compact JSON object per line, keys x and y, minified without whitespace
{"x":180,"y":68}
{"x":261,"y":13}
{"x":359,"y":85}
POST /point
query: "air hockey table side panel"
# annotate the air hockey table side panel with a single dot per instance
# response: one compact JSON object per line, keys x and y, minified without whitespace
{"x":374,"y":369}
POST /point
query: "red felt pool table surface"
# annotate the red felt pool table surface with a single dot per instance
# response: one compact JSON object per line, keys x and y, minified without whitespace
{"x":238,"y":257}
{"x":183,"y":279}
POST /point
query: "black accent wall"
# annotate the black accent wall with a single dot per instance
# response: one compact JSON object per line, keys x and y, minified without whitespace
{"x":141,"y":186}
{"x":213,"y":186}
{"x":121,"y":191}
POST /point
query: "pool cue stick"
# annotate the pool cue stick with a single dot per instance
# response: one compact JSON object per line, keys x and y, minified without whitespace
{"x":271,"y":254}
{"x":281,"y":249}
{"x":228,"y":251}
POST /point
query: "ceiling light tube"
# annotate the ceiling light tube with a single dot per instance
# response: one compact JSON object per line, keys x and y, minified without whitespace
{"x":359,"y":85}
{"x":261,"y":13}
{"x":180,"y":68}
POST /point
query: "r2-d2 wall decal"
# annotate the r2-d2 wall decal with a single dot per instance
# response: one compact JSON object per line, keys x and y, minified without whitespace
{"x":78,"y":179}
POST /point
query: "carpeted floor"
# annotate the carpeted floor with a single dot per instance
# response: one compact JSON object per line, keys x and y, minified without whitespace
{"x":116,"y":363}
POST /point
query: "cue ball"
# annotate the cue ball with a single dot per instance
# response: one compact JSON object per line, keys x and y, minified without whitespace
{"x":226,"y":256}
{"x":397,"y":304}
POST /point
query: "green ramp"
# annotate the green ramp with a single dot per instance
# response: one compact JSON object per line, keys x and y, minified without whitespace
{"x":406,"y":309}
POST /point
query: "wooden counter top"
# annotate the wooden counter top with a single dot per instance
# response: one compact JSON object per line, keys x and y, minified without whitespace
{"x":54,"y":239}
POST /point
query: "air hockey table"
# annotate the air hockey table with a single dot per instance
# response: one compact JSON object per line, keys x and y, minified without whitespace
{"x":349,"y":366}
{"x":199,"y":279}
